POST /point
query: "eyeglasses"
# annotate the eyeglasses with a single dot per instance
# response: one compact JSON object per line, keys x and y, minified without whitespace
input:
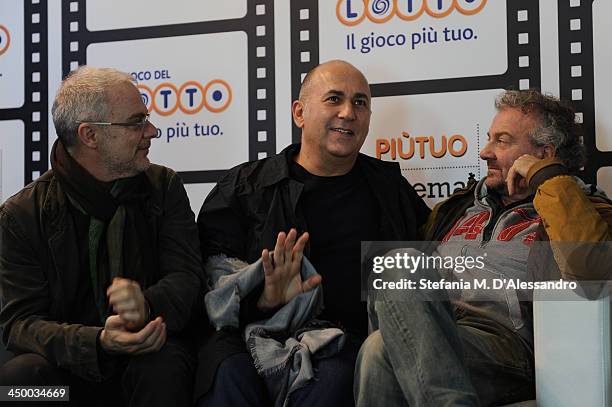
{"x":140,"y":124}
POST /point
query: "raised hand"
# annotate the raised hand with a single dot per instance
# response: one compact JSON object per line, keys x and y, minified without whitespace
{"x":282,"y":271}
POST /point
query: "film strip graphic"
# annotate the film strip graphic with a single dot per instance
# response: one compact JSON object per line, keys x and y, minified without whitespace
{"x":304,"y":47}
{"x":34,"y":111}
{"x":258,"y":24}
{"x":523,"y":55}
{"x":576,"y":76}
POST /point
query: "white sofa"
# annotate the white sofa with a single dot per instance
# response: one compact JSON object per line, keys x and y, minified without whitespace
{"x":572,"y":350}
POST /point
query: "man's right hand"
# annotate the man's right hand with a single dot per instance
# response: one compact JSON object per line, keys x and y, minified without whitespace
{"x":282,"y":279}
{"x":116,"y":339}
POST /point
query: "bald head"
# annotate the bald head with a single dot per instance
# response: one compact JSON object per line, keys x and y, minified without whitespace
{"x":333,"y":111}
{"x":323,"y":69}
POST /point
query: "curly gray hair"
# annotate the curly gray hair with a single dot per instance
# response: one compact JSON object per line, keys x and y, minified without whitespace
{"x":557,"y":126}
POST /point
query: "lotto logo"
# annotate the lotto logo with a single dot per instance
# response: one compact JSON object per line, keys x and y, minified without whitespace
{"x":353,"y":12}
{"x":5,"y":39}
{"x":191,"y":97}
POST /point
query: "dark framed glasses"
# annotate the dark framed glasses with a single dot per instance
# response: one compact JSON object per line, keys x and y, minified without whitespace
{"x":140,"y":124}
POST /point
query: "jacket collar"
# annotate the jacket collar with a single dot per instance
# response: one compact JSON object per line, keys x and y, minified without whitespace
{"x":277,"y":168}
{"x":55,"y":204}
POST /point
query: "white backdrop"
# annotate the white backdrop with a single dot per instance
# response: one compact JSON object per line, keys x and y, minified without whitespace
{"x":219,"y":77}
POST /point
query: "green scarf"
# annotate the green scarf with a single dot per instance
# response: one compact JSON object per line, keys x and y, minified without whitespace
{"x":117,"y":236}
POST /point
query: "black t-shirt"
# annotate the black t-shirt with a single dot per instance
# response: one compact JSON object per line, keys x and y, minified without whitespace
{"x":340,"y":212}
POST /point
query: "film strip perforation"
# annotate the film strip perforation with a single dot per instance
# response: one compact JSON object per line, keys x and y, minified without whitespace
{"x":523,"y":45}
{"x":522,"y":16}
{"x":576,"y":76}
{"x":73,"y":27}
{"x":304,"y":47}
{"x":35,"y":110}
{"x":262,"y":141}
{"x":258,"y":24}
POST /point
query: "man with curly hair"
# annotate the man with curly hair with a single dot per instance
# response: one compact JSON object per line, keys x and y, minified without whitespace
{"x":529,"y":219}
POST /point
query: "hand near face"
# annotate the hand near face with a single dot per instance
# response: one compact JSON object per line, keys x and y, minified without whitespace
{"x":117,"y":339}
{"x":282,"y":276}
{"x":516,"y":180}
{"x":127,"y":300}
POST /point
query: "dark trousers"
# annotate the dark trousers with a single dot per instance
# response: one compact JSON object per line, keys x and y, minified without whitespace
{"x":237,"y":382}
{"x":164,"y":378}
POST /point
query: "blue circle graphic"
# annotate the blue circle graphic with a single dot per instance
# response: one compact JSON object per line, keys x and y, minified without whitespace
{"x":217,"y":95}
{"x":381,"y":7}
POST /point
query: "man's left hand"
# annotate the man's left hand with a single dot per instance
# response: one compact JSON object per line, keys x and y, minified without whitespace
{"x":127,"y":300}
{"x":517,"y":175}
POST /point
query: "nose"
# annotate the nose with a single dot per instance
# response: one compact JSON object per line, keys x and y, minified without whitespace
{"x":150,"y":130}
{"x":347,"y":111}
{"x":487,"y":152}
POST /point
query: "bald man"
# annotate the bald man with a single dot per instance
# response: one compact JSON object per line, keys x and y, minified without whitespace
{"x":317,"y":199}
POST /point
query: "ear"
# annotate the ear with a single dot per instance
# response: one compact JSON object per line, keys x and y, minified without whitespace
{"x":88,"y":135}
{"x":297,"y":111}
{"x":548,"y":151}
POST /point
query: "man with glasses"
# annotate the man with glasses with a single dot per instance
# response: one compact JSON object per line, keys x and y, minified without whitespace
{"x":99,"y":257}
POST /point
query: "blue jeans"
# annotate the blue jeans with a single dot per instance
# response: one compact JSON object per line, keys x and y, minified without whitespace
{"x":423,"y":355}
